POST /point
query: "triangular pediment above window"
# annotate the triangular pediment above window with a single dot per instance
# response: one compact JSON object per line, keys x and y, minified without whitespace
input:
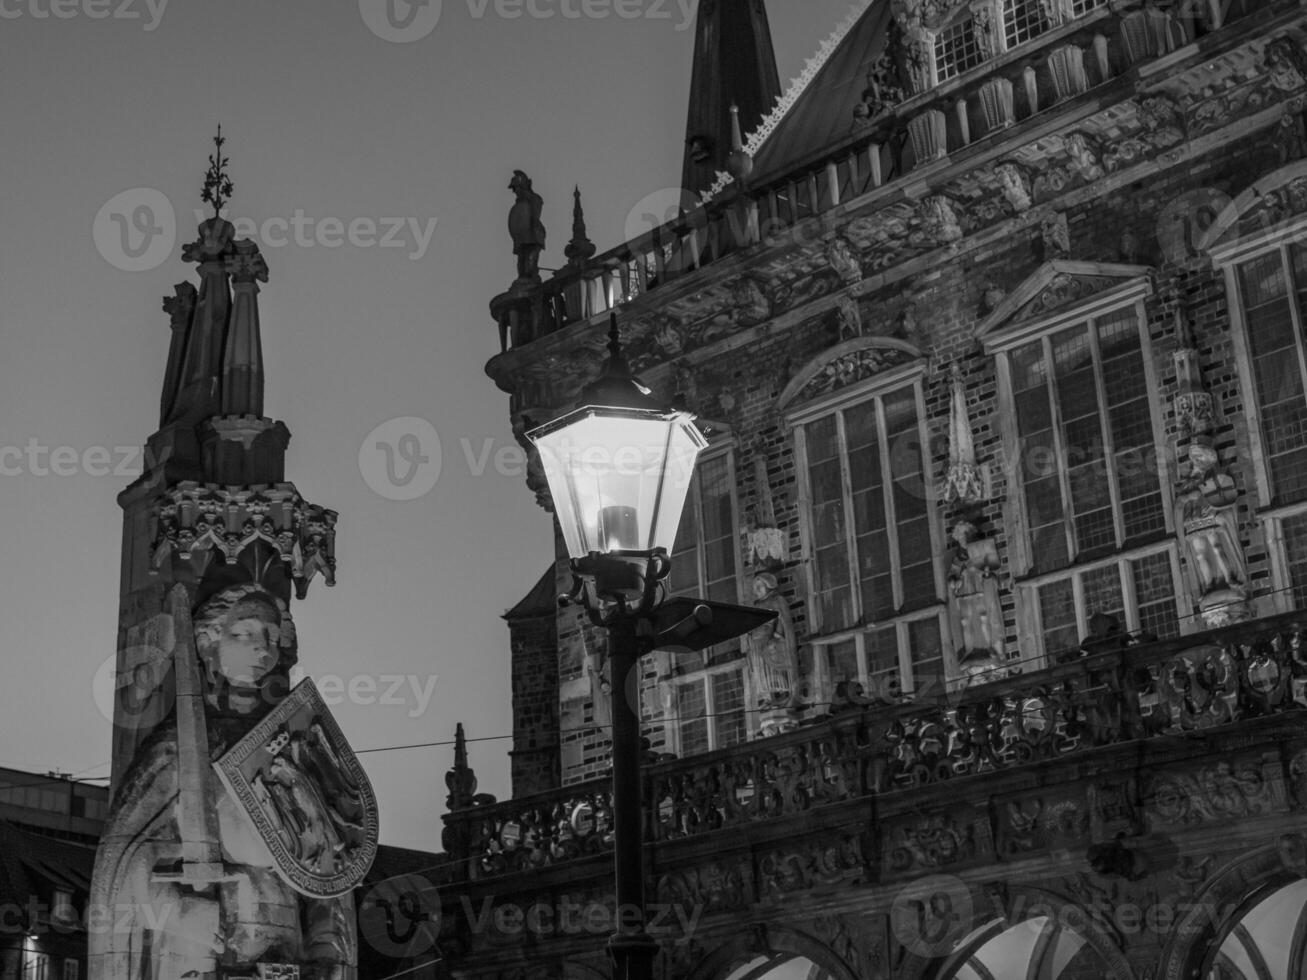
{"x":844,"y":365}
{"x":1271,"y":210}
{"x":1057,"y":286}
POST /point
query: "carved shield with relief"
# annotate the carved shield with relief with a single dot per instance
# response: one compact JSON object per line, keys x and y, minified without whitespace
{"x":304,"y":790}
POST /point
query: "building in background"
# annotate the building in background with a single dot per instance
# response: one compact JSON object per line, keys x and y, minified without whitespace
{"x":995,"y":322}
{"x":49,"y":826}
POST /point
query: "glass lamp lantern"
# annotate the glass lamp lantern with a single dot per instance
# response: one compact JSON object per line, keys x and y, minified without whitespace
{"x":619,"y":466}
{"x":619,"y":476}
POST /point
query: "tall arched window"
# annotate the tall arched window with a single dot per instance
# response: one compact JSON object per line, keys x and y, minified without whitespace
{"x":1267,"y":942}
{"x":1035,"y":949}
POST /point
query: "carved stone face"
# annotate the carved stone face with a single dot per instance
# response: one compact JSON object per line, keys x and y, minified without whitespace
{"x":246,"y":644}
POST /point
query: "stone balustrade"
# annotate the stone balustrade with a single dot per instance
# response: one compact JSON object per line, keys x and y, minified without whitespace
{"x":1067,"y":62}
{"x":1184,"y":686}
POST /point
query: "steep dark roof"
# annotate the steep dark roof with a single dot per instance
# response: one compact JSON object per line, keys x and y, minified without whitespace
{"x":822,"y":116}
{"x":542,"y":600}
{"x":734,"y":64}
{"x":33,"y":865}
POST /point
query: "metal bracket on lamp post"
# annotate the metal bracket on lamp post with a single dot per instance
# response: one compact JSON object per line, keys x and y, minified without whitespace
{"x":619,"y":585}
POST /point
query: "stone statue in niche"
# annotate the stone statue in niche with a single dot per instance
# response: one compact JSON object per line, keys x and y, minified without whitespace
{"x":1286,"y":64}
{"x":526,"y":228}
{"x":843,"y":259}
{"x":1014,"y":186}
{"x":850,"y":318}
{"x":772,"y":652}
{"x":179,"y":841}
{"x":974,"y":605}
{"x":1206,"y":515}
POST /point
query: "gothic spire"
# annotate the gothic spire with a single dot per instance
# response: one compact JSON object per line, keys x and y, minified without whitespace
{"x":212,"y":404}
{"x":734,"y":63}
{"x":580,"y":248}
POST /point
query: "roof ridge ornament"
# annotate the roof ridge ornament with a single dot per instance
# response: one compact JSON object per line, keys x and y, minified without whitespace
{"x":797,"y":86}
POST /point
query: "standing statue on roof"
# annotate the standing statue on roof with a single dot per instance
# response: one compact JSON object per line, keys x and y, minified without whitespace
{"x":525,"y":227}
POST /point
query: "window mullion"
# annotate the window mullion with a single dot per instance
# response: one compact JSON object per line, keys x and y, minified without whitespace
{"x":710,"y":710}
{"x":891,"y":520}
{"x":1078,"y":594}
{"x":1125,"y":571}
{"x":1105,"y":430}
{"x":1059,"y":450}
{"x":850,"y":530}
{"x":902,"y":642}
{"x":937,"y":543}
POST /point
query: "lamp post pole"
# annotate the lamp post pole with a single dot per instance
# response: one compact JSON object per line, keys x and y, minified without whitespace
{"x":618,"y":469}
{"x":631,"y":948}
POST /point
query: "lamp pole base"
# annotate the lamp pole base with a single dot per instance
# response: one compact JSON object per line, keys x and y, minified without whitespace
{"x":633,"y":955}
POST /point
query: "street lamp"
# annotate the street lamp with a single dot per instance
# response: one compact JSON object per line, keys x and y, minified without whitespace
{"x":619,"y":469}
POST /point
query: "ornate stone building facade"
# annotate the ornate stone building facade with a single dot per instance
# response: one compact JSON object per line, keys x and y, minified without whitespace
{"x":996,"y":325}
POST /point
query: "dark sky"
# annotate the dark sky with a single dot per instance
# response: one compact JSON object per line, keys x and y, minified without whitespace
{"x":345,"y":148}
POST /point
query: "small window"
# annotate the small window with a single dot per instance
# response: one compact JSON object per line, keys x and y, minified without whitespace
{"x":1023,"y":20}
{"x":957,"y":49}
{"x":71,"y":970}
{"x":1088,"y":452}
{"x":1081,"y":7}
{"x":1273,"y":290}
{"x":710,"y":712}
{"x":1139,"y":592}
{"x":62,"y":907}
{"x":36,"y":966}
{"x":887,"y":661}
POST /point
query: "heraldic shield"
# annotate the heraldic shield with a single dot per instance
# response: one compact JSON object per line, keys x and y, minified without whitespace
{"x":303,"y":789}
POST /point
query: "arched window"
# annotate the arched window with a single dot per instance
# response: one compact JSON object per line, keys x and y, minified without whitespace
{"x":1268,"y":942}
{"x":1034,"y":949}
{"x":781,"y":966}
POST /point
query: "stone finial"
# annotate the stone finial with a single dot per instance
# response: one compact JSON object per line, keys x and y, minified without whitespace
{"x":739,"y":164}
{"x":963,"y":481}
{"x":218,"y":187}
{"x":1193,"y":402}
{"x":580,"y":249}
{"x":460,"y":780}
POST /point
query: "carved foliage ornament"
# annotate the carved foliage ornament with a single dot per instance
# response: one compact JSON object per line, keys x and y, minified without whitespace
{"x":852,"y":368}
